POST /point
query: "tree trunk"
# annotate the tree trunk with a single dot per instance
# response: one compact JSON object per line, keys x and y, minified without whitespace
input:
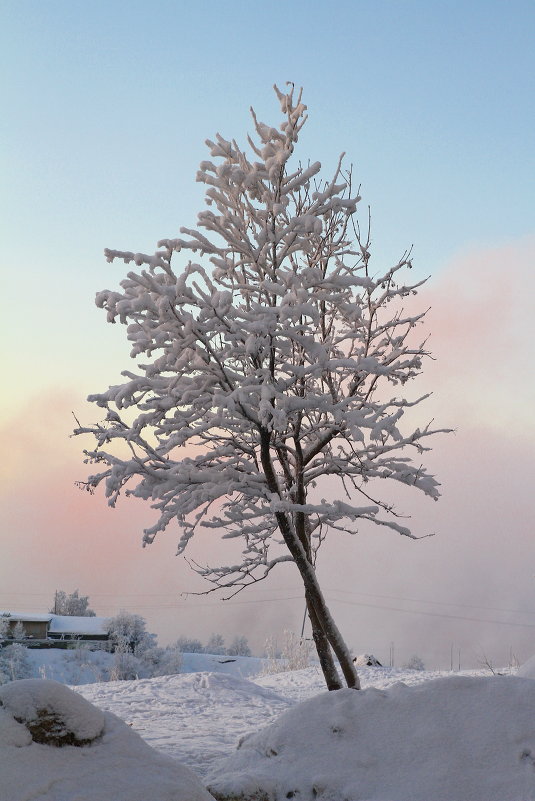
{"x":315,"y":597}
{"x":332,"y":634}
{"x":313,"y":592}
{"x":323,"y":649}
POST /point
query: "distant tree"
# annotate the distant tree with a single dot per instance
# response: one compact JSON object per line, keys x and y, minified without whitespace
{"x":14,"y":663}
{"x":215,"y":644}
{"x":126,"y":666}
{"x":239,"y":647}
{"x":293,"y":654}
{"x":170,"y":662}
{"x":19,"y":632}
{"x":71,"y":604}
{"x":189,"y":645}
{"x":4,"y":626}
{"x":276,"y":367}
{"x":127,"y":628}
{"x":414,"y":663}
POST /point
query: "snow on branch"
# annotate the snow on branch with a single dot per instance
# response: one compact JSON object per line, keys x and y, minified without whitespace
{"x":278,"y":365}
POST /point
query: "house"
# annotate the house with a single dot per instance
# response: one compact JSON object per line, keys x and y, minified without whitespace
{"x":35,"y":626}
{"x":56,"y":631}
{"x":87,"y":629}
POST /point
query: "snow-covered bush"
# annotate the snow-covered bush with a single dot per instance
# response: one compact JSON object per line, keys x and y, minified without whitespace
{"x":14,"y":663}
{"x":239,"y":647}
{"x":19,"y":632}
{"x":4,"y":627}
{"x":293,"y":654}
{"x":130,"y":629}
{"x":414,"y":663}
{"x":215,"y":644}
{"x":189,"y":645}
{"x":170,"y":662}
{"x":81,"y":661}
{"x":136,"y":652}
{"x":125,"y":666}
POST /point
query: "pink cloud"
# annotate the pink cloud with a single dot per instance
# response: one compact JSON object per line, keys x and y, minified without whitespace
{"x":482,"y":325}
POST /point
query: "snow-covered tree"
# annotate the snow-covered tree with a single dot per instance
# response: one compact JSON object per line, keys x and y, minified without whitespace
{"x":14,"y":663}
{"x":189,"y":645}
{"x":215,"y":644}
{"x":273,"y":359}
{"x":130,"y":629}
{"x":414,"y":663}
{"x":293,"y":654}
{"x":169,"y":663}
{"x":239,"y":647}
{"x":71,"y":604}
{"x":19,"y":632}
{"x":4,"y":626}
{"x":126,"y":666}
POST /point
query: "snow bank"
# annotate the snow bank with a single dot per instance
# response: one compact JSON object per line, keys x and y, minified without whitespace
{"x":451,"y":739}
{"x":117,"y":764}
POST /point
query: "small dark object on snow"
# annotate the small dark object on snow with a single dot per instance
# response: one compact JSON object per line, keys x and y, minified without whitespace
{"x":367,"y":660}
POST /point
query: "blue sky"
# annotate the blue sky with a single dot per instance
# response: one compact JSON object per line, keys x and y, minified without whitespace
{"x":106,"y":106}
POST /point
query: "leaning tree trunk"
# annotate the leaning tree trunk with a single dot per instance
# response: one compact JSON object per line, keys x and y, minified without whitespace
{"x":314,"y":596}
{"x":313,"y":593}
{"x":323,"y":649}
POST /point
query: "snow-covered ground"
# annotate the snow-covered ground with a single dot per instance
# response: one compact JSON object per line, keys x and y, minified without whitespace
{"x":409,"y":736}
{"x":199,"y":718}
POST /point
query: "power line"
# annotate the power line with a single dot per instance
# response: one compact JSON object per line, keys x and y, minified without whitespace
{"x":173,"y":600}
{"x":434,"y":603}
{"x":435,"y":614}
{"x":185,"y":606}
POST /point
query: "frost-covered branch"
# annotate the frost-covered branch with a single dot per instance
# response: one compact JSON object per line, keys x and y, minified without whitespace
{"x":266,"y":362}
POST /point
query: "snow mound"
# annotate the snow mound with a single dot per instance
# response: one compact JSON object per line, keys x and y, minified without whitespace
{"x":51,"y":712}
{"x":114,"y":764}
{"x":235,"y":689}
{"x":195,"y":717}
{"x":451,"y":739}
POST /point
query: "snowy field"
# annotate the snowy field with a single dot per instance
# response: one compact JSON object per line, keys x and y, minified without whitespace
{"x":409,"y":736}
{"x":199,"y":718}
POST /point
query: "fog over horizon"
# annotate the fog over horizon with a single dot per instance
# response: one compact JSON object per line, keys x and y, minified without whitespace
{"x":430,"y":597}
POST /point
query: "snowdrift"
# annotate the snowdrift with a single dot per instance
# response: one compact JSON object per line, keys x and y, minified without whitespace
{"x":451,"y":739}
{"x":55,"y":745}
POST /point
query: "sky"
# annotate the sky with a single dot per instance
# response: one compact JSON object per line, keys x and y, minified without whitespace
{"x":106,"y":107}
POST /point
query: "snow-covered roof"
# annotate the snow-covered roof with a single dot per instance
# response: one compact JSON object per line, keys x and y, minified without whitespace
{"x":25,"y":617}
{"x":71,"y":624}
